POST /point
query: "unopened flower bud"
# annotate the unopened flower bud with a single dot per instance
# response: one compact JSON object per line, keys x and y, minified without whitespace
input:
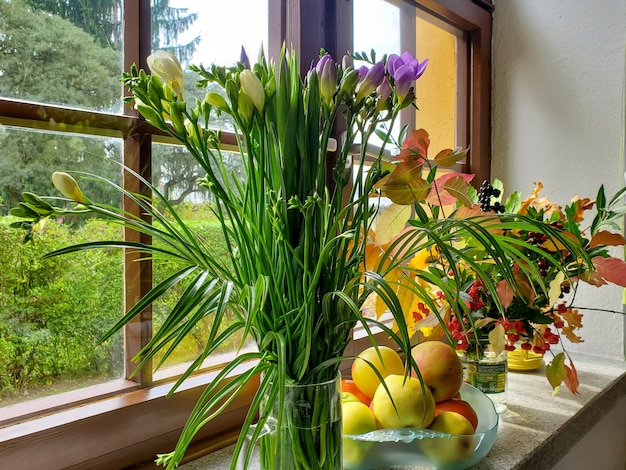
{"x":326,"y":70}
{"x":68,"y":186}
{"x":216,"y":100}
{"x":373,"y":77}
{"x":253,"y":88}
{"x":166,"y":65}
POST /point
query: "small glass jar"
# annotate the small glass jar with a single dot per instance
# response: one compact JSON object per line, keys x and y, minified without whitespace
{"x":487,"y":371}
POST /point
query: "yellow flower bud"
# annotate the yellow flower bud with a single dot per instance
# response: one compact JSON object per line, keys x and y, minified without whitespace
{"x":166,"y":65}
{"x":252,"y":86}
{"x":68,"y":187}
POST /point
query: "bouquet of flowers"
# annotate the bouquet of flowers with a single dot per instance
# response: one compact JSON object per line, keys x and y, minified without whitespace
{"x":308,"y":239}
{"x":540,"y":309}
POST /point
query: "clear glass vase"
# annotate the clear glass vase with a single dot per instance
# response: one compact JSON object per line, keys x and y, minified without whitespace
{"x":488,"y":372}
{"x":310,"y":432}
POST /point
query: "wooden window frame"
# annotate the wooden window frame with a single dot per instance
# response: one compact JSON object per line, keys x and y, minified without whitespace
{"x":125,"y":423}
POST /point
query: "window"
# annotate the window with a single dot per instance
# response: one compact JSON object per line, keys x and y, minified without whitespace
{"x":51,"y":111}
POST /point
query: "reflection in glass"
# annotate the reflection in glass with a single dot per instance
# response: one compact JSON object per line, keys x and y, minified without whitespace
{"x":66,"y":53}
{"x":54,"y":311}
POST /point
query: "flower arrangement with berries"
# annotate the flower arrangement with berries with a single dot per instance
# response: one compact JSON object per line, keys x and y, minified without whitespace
{"x":541,"y":309}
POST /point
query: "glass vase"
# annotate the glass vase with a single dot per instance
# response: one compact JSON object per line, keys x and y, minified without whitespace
{"x":310,"y":432}
{"x":487,"y":371}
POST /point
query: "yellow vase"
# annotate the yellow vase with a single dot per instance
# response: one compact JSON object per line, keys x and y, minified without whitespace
{"x":521,"y":360}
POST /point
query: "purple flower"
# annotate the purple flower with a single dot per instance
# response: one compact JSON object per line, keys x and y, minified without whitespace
{"x":243,"y":58}
{"x":326,"y":70}
{"x":405,"y":69}
{"x":370,"y":79}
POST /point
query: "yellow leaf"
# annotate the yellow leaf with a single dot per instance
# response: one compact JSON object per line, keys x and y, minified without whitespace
{"x":448,"y":157}
{"x":496,"y":339}
{"x":390,"y":223}
{"x":555,"y":289}
{"x":556,"y":372}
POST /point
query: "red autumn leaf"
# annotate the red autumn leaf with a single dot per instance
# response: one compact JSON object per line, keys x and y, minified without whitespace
{"x":611,"y":269}
{"x":571,"y":379}
{"x":605,"y":238}
{"x":415,"y":146}
{"x":505,"y":293}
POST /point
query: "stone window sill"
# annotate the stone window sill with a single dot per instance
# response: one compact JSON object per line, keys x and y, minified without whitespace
{"x":538,"y":431}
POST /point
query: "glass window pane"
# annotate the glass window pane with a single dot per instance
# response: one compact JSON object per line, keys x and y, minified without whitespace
{"x":54,"y":311}
{"x":436,"y":90}
{"x":205,"y":33}
{"x":176,"y":174}
{"x":66,"y":53}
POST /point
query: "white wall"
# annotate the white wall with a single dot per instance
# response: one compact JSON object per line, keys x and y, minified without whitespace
{"x":558,"y":117}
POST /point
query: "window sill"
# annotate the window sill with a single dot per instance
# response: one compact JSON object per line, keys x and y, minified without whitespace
{"x":536,"y":431}
{"x":117,"y":431}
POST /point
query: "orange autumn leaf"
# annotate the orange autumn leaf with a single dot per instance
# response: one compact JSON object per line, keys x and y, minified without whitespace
{"x":582,"y":205}
{"x":415,"y":147}
{"x":570,"y":335}
{"x":573,"y":318}
{"x":607,"y":239}
{"x":530,"y":199}
{"x":548,"y":206}
{"x":571,"y":379}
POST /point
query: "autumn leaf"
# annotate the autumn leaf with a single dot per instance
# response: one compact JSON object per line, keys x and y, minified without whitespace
{"x":605,"y":238}
{"x":571,"y":380}
{"x":496,"y":339}
{"x":415,"y":191}
{"x":481,"y":322}
{"x":530,"y":199}
{"x":554,"y":291}
{"x":582,"y":205}
{"x":415,"y":146}
{"x":505,"y":293}
{"x":448,"y":157}
{"x":556,"y":372}
{"x":390,"y":222}
{"x":611,"y":269}
{"x":404,"y":173}
{"x":449,"y":188}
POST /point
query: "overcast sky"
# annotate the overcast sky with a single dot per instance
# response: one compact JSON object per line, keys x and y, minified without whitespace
{"x":225,"y":26}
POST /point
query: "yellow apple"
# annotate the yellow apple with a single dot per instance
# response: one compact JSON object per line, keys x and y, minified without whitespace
{"x":446,"y":450}
{"x":440,"y":368}
{"x":407,"y":404}
{"x":364,"y":377}
{"x":451,"y":422}
{"x":347,"y":396}
{"x":357,"y":419}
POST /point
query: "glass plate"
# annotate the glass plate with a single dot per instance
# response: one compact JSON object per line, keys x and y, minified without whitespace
{"x":409,"y":448}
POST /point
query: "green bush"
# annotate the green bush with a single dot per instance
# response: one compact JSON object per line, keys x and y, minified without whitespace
{"x":54,"y":311}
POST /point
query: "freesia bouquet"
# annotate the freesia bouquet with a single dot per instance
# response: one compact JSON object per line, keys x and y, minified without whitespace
{"x":308,"y":238}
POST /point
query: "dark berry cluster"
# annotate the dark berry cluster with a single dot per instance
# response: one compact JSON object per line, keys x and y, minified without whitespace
{"x":486,"y":192}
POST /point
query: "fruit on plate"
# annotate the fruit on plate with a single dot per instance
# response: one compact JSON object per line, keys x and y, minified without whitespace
{"x":459,"y":406}
{"x":408,"y":403}
{"x":348,"y":385}
{"x":347,"y":396}
{"x":446,"y":450}
{"x":387,"y":363}
{"x":451,"y":422}
{"x":357,"y":419}
{"x":440,"y":367}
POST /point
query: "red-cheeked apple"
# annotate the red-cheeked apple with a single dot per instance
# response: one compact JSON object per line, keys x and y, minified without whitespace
{"x":440,"y":368}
